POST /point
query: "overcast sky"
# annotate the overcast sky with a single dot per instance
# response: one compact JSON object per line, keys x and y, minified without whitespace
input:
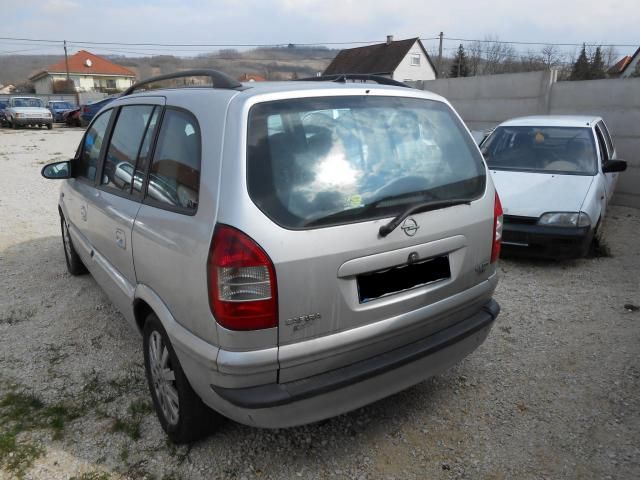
{"x":311,"y":21}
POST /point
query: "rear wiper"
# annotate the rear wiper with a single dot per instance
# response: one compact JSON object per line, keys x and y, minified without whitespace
{"x":366,"y":208}
{"x":420,"y":207}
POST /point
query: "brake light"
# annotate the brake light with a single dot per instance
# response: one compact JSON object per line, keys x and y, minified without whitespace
{"x":497,"y":229}
{"x":242,"y":282}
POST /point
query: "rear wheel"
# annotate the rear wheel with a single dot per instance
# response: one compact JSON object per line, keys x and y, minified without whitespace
{"x":74,"y":263}
{"x":49,"y":126}
{"x":181,"y":412}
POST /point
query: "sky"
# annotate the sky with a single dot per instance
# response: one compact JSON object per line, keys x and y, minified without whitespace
{"x":334,"y":23}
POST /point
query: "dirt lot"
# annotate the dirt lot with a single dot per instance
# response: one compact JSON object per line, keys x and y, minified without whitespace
{"x":553,"y":393}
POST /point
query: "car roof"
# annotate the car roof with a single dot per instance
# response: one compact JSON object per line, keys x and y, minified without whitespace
{"x":552,"y":121}
{"x":251,"y":89}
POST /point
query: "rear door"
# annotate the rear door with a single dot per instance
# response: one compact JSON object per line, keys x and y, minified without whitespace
{"x":329,"y":173}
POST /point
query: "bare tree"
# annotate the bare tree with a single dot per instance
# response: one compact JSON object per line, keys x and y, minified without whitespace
{"x":475,"y":58}
{"x":498,"y":56}
{"x":551,"y":56}
{"x":610,"y":55}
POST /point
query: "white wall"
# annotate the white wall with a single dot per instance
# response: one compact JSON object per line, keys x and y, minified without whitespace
{"x":406,"y":71}
{"x":631,"y":68}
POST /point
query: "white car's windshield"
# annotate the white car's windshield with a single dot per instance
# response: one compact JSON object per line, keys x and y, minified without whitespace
{"x":565,"y":150}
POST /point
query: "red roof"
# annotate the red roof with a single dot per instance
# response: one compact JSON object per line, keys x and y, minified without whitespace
{"x":621,"y":65}
{"x":86,"y":63}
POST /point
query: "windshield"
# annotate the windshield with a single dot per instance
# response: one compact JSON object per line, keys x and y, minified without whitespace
{"x":27,"y":102}
{"x":565,"y":150}
{"x":332,"y":160}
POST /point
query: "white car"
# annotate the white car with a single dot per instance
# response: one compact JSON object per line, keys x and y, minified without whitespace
{"x":555,"y":176}
{"x":23,"y":111}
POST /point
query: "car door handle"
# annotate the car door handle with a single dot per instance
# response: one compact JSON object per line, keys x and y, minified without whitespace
{"x":83,"y":213}
{"x":121,"y":239}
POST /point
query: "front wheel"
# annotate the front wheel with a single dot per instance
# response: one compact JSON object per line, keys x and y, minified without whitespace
{"x":182,"y":414}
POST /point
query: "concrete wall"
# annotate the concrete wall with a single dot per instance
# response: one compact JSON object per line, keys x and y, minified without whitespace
{"x":483,"y":102}
{"x":406,"y":71}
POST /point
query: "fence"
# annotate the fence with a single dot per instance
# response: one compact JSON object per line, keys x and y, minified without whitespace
{"x":485,"y":101}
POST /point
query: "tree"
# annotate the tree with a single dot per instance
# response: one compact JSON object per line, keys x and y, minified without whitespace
{"x":550,"y":56}
{"x":596,"y":69}
{"x":459,"y":67}
{"x":581,"y":69}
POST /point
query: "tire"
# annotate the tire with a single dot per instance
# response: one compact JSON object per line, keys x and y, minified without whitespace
{"x":49,"y":126}
{"x":181,"y":412}
{"x":74,"y":263}
{"x":14,"y":125}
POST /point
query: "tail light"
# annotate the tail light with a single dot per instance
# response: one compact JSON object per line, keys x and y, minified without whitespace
{"x":242,"y":282}
{"x":497,"y":229}
{"x":85,"y":109}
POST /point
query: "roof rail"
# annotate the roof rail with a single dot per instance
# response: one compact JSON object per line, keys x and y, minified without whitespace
{"x":219,"y":79}
{"x":343,"y":77}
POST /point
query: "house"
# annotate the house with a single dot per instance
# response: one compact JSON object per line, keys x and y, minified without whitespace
{"x":632,"y":68}
{"x":402,"y":60}
{"x":88,"y":72}
{"x":618,"y":68}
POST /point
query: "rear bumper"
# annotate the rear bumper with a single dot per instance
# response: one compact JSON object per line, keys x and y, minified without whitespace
{"x":546,"y":242}
{"x":338,"y":391}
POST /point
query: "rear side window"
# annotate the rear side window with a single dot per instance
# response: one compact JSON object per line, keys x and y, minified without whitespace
{"x":125,"y":144}
{"x":174,"y":175}
{"x":332,"y":160}
{"x":87,"y":162}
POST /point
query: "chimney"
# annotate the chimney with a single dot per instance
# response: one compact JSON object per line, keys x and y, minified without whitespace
{"x":389,"y":39}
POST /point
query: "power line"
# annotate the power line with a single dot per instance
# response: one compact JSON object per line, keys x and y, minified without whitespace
{"x":542,"y":43}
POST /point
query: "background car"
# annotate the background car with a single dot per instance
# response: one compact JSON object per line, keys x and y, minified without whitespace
{"x":27,"y":111}
{"x":58,"y":107}
{"x":72,"y":117}
{"x":3,"y":106}
{"x":89,"y":110}
{"x":555,"y":176}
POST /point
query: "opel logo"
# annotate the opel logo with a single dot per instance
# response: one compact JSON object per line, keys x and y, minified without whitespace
{"x":410,"y":227}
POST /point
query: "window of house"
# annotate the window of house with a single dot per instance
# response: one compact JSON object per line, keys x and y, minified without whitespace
{"x":415,"y":59}
{"x":120,"y":162}
{"x":174,"y":175}
{"x":87,"y":162}
{"x":111,"y":83}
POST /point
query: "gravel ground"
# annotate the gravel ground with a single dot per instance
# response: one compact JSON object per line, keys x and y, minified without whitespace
{"x":553,"y":393}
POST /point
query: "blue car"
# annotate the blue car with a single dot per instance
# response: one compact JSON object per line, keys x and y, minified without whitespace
{"x":88,"y":111}
{"x":58,"y":107}
{"x":3,"y":106}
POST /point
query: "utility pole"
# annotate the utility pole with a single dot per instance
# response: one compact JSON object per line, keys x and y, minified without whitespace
{"x":439,"y":56}
{"x":66,"y":60}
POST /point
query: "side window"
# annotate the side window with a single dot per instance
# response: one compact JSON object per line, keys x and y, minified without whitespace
{"x":174,"y":176}
{"x":87,"y":162}
{"x":603,"y":149}
{"x":120,"y":162}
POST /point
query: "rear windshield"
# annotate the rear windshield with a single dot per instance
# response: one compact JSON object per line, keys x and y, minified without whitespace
{"x":564,"y":150}
{"x":333,"y":160}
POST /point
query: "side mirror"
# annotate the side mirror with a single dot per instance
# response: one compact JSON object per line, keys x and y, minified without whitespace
{"x":57,"y":170}
{"x":614,"y":166}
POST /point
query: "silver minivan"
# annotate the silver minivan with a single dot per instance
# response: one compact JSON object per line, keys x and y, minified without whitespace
{"x":289,"y":251}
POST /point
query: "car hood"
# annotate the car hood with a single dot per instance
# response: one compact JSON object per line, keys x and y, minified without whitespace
{"x":31,"y":110}
{"x":529,"y":194}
